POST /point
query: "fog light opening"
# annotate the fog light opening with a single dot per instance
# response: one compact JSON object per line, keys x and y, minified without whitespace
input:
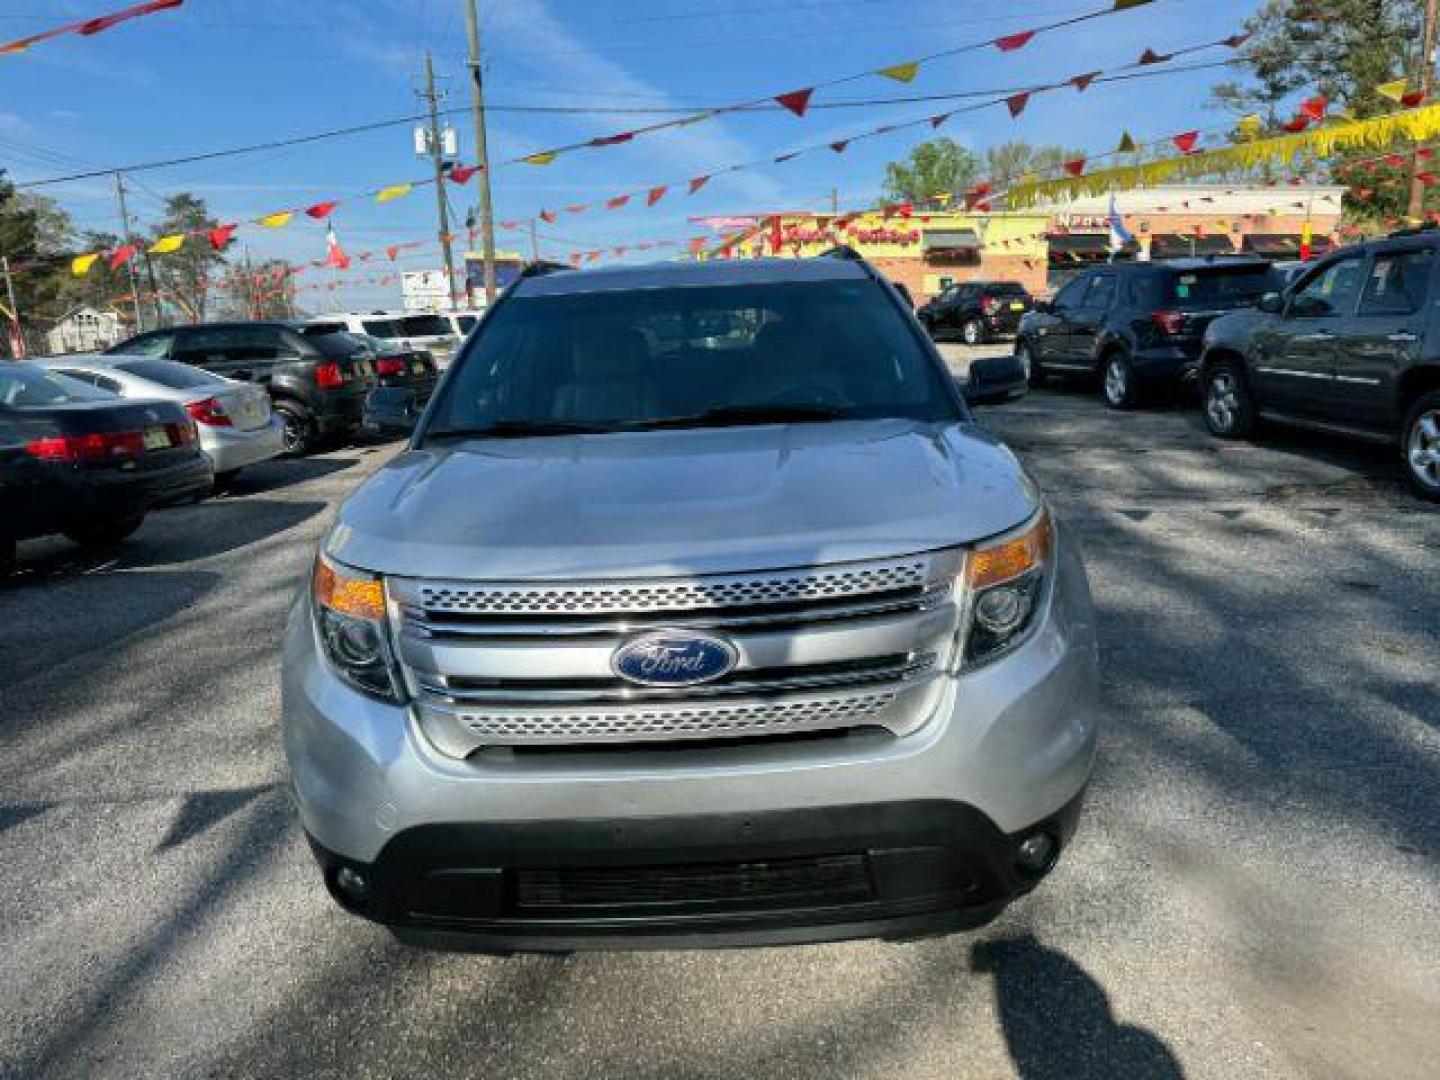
{"x":350,"y":887}
{"x":1036,"y":854}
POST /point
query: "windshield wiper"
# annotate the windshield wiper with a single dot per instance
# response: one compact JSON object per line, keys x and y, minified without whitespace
{"x":518,"y":429}
{"x":736,"y":415}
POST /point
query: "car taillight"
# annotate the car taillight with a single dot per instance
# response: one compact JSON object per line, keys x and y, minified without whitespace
{"x":989,"y":305}
{"x":184,"y":432}
{"x":328,"y":376}
{"x":209,"y":411}
{"x":1169,"y":323}
{"x":97,"y":446}
{"x":391,"y":365}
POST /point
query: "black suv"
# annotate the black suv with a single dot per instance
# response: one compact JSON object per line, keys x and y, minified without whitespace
{"x":976,"y":311}
{"x":1351,"y":347}
{"x":1137,"y":326}
{"x":318,"y":382}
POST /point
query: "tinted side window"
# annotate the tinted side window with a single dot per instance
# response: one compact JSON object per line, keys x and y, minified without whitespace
{"x":1101,"y":294}
{"x":1331,"y":290}
{"x":1070,"y":295}
{"x":157,"y":345}
{"x":1397,"y":283}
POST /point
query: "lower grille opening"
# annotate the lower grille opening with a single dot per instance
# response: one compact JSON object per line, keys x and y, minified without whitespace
{"x":772,"y":883}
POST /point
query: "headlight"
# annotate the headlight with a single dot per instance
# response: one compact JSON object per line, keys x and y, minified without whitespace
{"x":349,"y":607}
{"x":1003,"y":583}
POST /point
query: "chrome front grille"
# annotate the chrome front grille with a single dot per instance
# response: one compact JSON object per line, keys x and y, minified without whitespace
{"x":522,"y":664}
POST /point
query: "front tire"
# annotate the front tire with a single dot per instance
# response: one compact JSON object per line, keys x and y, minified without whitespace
{"x":104,"y":533}
{"x":1033,"y":372}
{"x":972,"y":332}
{"x":1420,"y":443}
{"x":1117,"y":381}
{"x":1228,"y":407}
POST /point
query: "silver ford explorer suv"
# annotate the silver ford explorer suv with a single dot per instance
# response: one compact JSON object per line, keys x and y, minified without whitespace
{"x":698,"y":611}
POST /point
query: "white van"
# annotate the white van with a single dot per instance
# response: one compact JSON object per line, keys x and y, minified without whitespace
{"x":436,"y":334}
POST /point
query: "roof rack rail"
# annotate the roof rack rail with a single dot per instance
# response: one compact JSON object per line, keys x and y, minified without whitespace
{"x":1414,"y":230}
{"x":841,"y":251}
{"x":541,"y":266}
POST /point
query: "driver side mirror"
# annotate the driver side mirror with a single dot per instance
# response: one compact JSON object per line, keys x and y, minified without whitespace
{"x":1042,"y":306}
{"x":992,"y":379}
{"x":1272,"y":303}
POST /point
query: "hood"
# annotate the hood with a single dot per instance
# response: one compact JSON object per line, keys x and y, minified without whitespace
{"x":1235,"y":327}
{"x":682,"y":502}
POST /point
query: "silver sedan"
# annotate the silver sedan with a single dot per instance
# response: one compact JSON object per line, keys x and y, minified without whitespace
{"x":237,"y":427}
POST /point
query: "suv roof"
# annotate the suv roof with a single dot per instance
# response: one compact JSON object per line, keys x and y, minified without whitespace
{"x":1198,"y":262}
{"x":671,"y":275}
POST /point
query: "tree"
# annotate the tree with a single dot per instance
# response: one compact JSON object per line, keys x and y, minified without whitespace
{"x":934,"y":168}
{"x":264,"y":290}
{"x":1010,"y":161}
{"x":184,"y":276}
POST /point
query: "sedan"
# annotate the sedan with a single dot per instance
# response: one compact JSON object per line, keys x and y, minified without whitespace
{"x":237,"y":426}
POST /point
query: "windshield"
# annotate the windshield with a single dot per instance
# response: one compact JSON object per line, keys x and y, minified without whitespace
{"x":672,"y":357}
{"x":425,"y":326}
{"x":316,"y":328}
{"x":1004,"y":288}
{"x":23,"y":386}
{"x":168,"y":373}
{"x":338,"y":344}
{"x":1215,"y":287}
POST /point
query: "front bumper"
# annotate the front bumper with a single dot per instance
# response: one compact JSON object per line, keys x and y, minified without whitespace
{"x":229,"y":449}
{"x":929,"y":820}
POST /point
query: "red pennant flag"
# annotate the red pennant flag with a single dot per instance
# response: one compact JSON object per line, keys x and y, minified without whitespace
{"x":591,"y":256}
{"x":613,"y":140}
{"x":697,"y":183}
{"x":797,"y":101}
{"x":1011,"y":42}
{"x":1186,"y":141}
{"x":461,"y":174}
{"x":697,"y":245}
{"x":644,"y":245}
{"x":655,"y":194}
{"x":839,"y":147}
{"x":1016,"y":103}
{"x":1150,"y":56}
{"x":1076,"y":167}
{"x":1236,"y":40}
{"x":1296,"y":125}
{"x":619,"y":250}
{"x":578,"y":208}
{"x":320,"y":210}
{"x":936,"y":121}
{"x":1395,"y":161}
{"x":392,"y":251}
{"x":1082,"y":82}
{"x":547,"y":216}
{"x":982,"y":189}
{"x":1425,"y":153}
{"x":220,"y":235}
{"x":1425,"y":177}
{"x":617,"y":202}
{"x":121,"y":255}
{"x":1315,"y":107}
{"x":574,"y":258}
{"x":983,"y":206}
{"x":94,"y":26}
{"x":1413,"y":98}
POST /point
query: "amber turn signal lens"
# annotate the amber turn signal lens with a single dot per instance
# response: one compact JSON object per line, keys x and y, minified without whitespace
{"x":1010,"y":558}
{"x":347,"y":593}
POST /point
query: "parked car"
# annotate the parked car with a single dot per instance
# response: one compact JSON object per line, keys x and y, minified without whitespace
{"x":1137,"y":326}
{"x":976,"y":311}
{"x":462,"y":322}
{"x":657,"y":634}
{"x":317,"y":383}
{"x":85,"y":463}
{"x":1352,"y":347}
{"x":404,"y":380}
{"x":236,"y":424}
{"x":409,"y":330}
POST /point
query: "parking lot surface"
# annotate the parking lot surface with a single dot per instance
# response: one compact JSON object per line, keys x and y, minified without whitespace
{"x":1254,"y":892}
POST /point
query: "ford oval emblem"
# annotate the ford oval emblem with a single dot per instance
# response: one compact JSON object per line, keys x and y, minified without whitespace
{"x":674,"y":658}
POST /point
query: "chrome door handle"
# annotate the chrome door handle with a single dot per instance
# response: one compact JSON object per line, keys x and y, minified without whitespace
{"x":1402,"y":337}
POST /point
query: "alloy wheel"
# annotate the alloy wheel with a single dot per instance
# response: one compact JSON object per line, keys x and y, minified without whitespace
{"x":1423,"y":449}
{"x":1221,"y":404}
{"x":1117,"y":380}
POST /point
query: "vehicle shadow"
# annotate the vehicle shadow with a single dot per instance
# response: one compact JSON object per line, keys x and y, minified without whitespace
{"x":285,"y":472}
{"x":1057,"y":1021}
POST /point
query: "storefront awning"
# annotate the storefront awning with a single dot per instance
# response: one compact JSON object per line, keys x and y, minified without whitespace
{"x":951,"y":240}
{"x":1180,"y":245}
{"x":1281,"y":245}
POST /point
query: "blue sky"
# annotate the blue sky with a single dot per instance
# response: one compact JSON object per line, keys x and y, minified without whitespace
{"x":215,"y":74}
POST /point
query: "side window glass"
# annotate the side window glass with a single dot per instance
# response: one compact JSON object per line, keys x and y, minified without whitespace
{"x":80,"y":376}
{"x":1330,"y":291}
{"x":1101,"y":294}
{"x":156,"y":345}
{"x":1397,"y":283}
{"x":1069,"y":296}
{"x":104,"y":382}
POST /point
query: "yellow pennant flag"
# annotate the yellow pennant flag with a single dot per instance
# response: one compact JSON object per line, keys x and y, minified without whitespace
{"x":1249,"y":126}
{"x":80,"y":265}
{"x":540,"y":159}
{"x":1394,"y":90}
{"x":394,"y":191}
{"x":1127,"y":144}
{"x":277,"y":221}
{"x":901,"y":72}
{"x":167,"y":244}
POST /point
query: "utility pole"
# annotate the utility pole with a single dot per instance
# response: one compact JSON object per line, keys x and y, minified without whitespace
{"x":17,"y":348}
{"x":1416,"y":205}
{"x":482,"y":155}
{"x":130,"y":262}
{"x":437,"y":157}
{"x":534,"y":243}
{"x":834,"y":200}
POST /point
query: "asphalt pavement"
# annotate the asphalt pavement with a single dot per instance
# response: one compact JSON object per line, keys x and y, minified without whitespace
{"x":1254,"y":892}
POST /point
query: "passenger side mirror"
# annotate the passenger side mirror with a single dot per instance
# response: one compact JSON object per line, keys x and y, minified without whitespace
{"x":993,"y":379}
{"x":1042,"y":306}
{"x":1272,"y":303}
